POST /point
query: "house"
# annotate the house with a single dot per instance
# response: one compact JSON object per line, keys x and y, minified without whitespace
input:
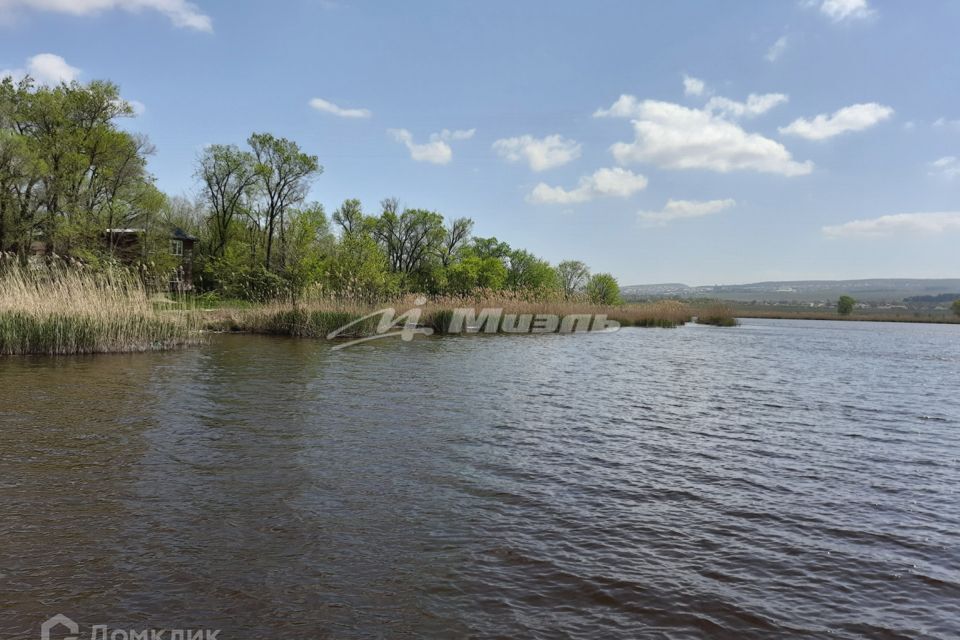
{"x":127,"y":245}
{"x":181,"y":246}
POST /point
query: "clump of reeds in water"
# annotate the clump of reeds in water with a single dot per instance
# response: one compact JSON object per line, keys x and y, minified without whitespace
{"x":58,"y":309}
{"x":718,"y":315}
{"x":317,"y":313}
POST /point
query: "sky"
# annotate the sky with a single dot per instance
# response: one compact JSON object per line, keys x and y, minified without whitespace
{"x":703,"y":142}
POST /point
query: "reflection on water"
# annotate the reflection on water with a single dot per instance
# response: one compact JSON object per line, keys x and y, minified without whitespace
{"x":783,"y":479}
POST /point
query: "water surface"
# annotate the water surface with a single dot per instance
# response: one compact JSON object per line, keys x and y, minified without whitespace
{"x":784,"y":479}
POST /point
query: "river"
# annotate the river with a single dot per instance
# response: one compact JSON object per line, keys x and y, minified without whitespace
{"x":783,"y":479}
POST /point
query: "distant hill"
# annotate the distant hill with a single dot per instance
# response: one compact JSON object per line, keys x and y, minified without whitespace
{"x":873,"y":290}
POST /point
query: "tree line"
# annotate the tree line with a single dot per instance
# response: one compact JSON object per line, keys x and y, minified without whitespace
{"x":69,"y":172}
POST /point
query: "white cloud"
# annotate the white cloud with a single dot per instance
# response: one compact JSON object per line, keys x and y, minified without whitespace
{"x":679,"y":209}
{"x":841,"y":10}
{"x":325,"y":105}
{"x":615,"y":182}
{"x":754,"y":106}
{"x":693,"y":86}
{"x":180,"y":12}
{"x":946,"y":167}
{"x":856,"y":117}
{"x":949,"y":124}
{"x":897,"y":224}
{"x":777,"y":49}
{"x":437,"y":150}
{"x":458,"y":134}
{"x":672,"y":136}
{"x":540,"y":153}
{"x":45,"y":68}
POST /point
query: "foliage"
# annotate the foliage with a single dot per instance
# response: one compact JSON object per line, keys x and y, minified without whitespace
{"x":955,"y":307}
{"x":845,"y":305}
{"x":67,"y":172}
{"x":573,"y":276}
{"x":602,"y":288}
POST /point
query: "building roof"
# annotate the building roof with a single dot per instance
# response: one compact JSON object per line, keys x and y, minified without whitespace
{"x":180,"y":234}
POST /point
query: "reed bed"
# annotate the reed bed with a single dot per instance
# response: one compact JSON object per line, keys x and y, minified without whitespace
{"x":718,"y":315}
{"x":316,"y":315}
{"x":57,"y":309}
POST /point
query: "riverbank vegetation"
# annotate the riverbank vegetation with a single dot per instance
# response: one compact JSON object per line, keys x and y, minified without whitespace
{"x":89,"y":241}
{"x":317,"y":316}
{"x":60,"y":310}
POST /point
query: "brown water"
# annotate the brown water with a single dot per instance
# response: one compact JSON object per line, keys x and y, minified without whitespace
{"x":778,"y":480}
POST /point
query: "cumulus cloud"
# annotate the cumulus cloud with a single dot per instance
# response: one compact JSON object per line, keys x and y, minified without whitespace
{"x":328,"y":107}
{"x":437,"y":150}
{"x":843,"y":10}
{"x":856,"y":117}
{"x":897,"y":224}
{"x":540,"y":153}
{"x":45,"y":68}
{"x":672,"y":136}
{"x":680,"y":209}
{"x":777,"y":49}
{"x":754,"y":106}
{"x":615,"y":182}
{"x":946,"y":167}
{"x":693,"y":86}
{"x":180,"y":12}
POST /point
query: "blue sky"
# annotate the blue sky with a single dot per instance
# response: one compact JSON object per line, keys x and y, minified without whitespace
{"x":690,"y":141}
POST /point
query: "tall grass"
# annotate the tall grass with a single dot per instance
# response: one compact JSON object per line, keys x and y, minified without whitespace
{"x":717,"y":314}
{"x":58,"y":309}
{"x":317,"y":314}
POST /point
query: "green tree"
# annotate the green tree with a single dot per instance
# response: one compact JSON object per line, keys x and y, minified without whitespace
{"x":359,"y":269}
{"x":284,"y":173}
{"x":229,"y":178}
{"x":956,"y":307}
{"x":573,"y":276}
{"x":530,"y":273}
{"x":456,"y":235}
{"x":472,"y":273}
{"x":603,"y":289}
{"x":67,"y":171}
{"x":350,"y":218}
{"x":410,"y":238}
{"x":309,"y":246}
{"x":845,"y":305}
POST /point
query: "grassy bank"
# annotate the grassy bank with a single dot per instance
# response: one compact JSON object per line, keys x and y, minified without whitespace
{"x":59,"y":310}
{"x":319,"y":316}
{"x":787,"y":314}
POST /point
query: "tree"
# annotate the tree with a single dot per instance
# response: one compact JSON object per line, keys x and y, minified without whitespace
{"x":284,"y":173}
{"x":956,"y":307}
{"x":349,"y":217}
{"x":573,"y":276}
{"x":408,"y":238}
{"x":229,"y":178}
{"x":490,"y":248}
{"x":528,"y":272}
{"x":66,"y":170}
{"x":845,"y":305}
{"x":309,"y":246}
{"x":456,"y":235}
{"x":359,"y":268}
{"x":473,"y":273}
{"x":603,"y":289}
